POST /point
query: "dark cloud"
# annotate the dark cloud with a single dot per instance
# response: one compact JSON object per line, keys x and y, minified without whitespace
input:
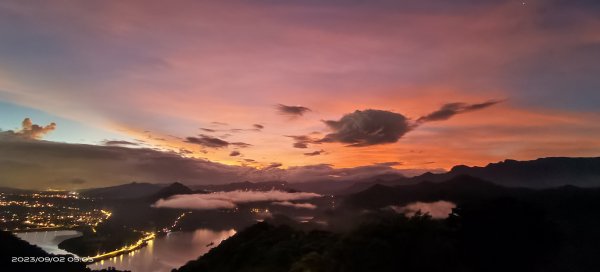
{"x":255,"y":127}
{"x":300,"y":145}
{"x":241,"y":144}
{"x":118,"y":142}
{"x":39,"y":164}
{"x":207,"y":141}
{"x":292,"y":110}
{"x":388,"y":163}
{"x":302,"y":141}
{"x":234,"y":153}
{"x":315,"y":153}
{"x":373,"y":127}
{"x":451,"y":109}
{"x":31,"y":131}
{"x":368,"y":127}
{"x":273,"y":165}
{"x":184,"y":151}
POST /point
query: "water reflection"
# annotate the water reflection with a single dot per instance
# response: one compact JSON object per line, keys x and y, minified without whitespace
{"x":48,"y":240}
{"x":167,"y":252}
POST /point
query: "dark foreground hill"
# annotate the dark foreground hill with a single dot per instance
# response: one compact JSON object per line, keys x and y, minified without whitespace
{"x":14,"y":250}
{"x":515,"y":240}
{"x":493,"y":228}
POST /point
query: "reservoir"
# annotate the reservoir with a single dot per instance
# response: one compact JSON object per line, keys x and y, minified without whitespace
{"x":160,"y":255}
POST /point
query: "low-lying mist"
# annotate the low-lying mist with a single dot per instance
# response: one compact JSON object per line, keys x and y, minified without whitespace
{"x":229,"y":200}
{"x":438,"y":209}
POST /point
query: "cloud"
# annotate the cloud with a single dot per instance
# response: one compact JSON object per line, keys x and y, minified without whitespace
{"x":219,"y":123}
{"x":258,"y":126}
{"x":234,"y":153}
{"x":389,"y":163}
{"x":36,"y":164}
{"x":438,"y":210}
{"x":293,"y":111}
{"x":273,"y":165}
{"x":296,"y":205}
{"x":240,"y":144}
{"x":302,"y":141}
{"x":196,"y":203}
{"x":208,"y":129}
{"x":314,"y":153}
{"x":207,"y":141}
{"x":368,"y":127}
{"x":118,"y":143}
{"x":30,"y":131}
{"x":373,"y":127}
{"x":451,"y":109}
{"x":228,"y":200}
{"x":300,"y":145}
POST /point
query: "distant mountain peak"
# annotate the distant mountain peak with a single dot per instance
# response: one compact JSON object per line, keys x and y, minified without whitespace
{"x":172,"y":189}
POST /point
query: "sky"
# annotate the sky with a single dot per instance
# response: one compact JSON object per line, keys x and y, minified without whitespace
{"x":231,"y":90}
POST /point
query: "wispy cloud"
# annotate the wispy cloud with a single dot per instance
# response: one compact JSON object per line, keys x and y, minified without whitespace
{"x":314,"y":153}
{"x":119,"y":143}
{"x":451,"y":109}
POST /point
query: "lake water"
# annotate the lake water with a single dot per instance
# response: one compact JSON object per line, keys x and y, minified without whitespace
{"x":48,"y":240}
{"x":167,"y":252}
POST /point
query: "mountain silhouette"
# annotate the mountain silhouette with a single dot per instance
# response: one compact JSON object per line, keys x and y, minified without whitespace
{"x":539,"y":173}
{"x":123,"y":191}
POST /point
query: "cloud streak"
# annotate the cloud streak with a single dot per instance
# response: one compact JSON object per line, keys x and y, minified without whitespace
{"x":119,"y":143}
{"x":213,"y":142}
{"x":314,"y":153}
{"x":447,"y":111}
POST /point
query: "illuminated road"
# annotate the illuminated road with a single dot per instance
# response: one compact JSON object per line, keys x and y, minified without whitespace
{"x":139,"y":244}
